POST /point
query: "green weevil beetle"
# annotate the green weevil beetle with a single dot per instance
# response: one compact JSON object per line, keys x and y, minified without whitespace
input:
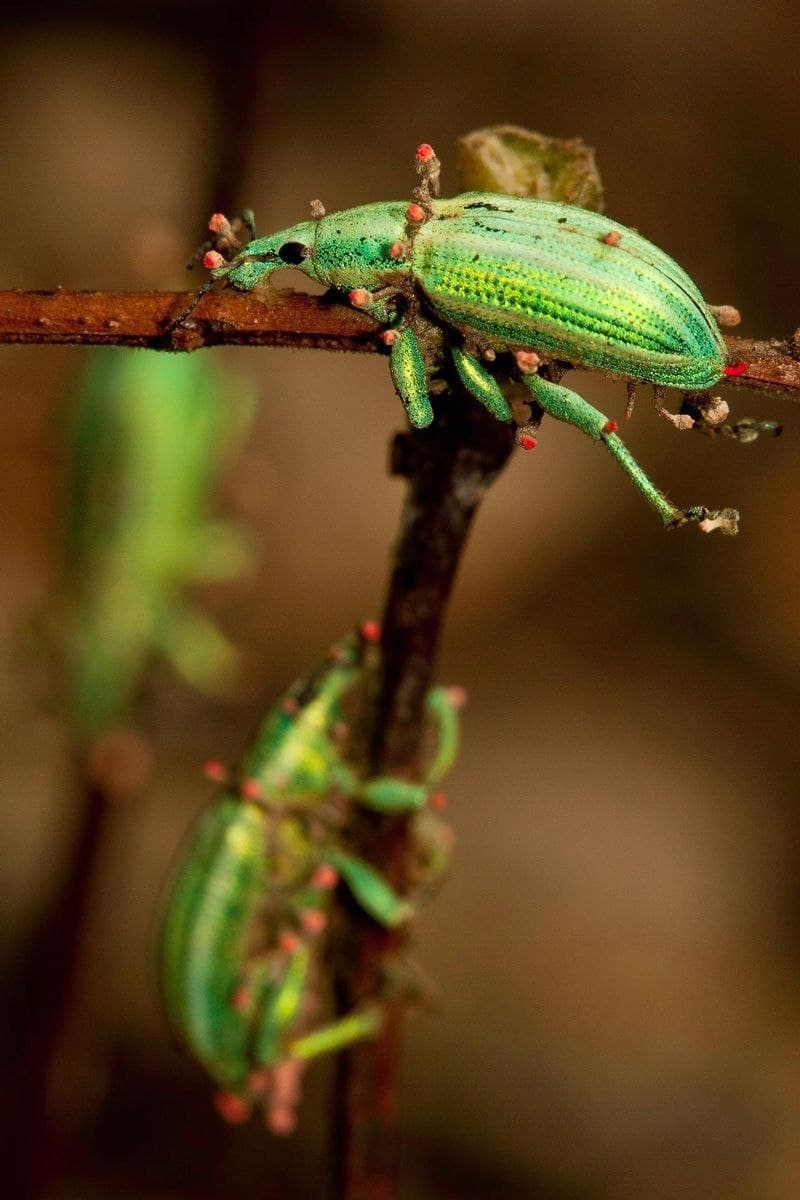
{"x":242,"y":935}
{"x":548,"y":283}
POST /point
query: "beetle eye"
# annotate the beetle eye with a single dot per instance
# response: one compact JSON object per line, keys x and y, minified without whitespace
{"x":293,"y":253}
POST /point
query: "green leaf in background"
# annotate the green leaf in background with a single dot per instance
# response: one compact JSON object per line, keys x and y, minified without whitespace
{"x":147,"y":437}
{"x":520,"y":162}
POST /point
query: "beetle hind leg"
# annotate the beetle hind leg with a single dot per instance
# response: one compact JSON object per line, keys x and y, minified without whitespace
{"x":566,"y":405}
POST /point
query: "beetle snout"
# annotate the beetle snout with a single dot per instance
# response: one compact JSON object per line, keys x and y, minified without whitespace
{"x":294,"y":253}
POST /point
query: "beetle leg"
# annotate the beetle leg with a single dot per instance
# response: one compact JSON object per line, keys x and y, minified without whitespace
{"x":381,"y":793}
{"x":410,"y":377}
{"x":186,"y":312}
{"x":430,"y":860}
{"x":631,"y":401}
{"x":374,"y":304}
{"x":362,"y":1023}
{"x":369,"y":888}
{"x":479,"y":383}
{"x":283,"y":1082}
{"x":679,"y":420}
{"x":566,"y":405}
{"x":279,"y":1007}
{"x":387,"y":794}
{"x":442,"y":705}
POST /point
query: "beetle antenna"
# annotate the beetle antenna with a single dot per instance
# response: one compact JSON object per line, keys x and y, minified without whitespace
{"x":246,"y":221}
{"x":183,"y":316}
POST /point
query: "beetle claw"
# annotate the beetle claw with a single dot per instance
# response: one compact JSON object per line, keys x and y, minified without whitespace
{"x":726,"y":520}
{"x":680,"y":420}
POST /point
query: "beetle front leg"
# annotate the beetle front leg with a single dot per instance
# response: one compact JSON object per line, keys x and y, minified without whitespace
{"x":185,"y":313}
{"x":566,"y":405}
{"x":410,"y":377}
{"x":407,"y":362}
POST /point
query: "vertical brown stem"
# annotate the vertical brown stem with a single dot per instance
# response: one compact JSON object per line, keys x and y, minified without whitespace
{"x":42,"y":996}
{"x":449,"y":468}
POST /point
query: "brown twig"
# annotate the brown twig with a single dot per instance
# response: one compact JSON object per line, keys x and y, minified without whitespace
{"x":222,"y":318}
{"x":276,"y":318}
{"x":772,"y":365}
{"x":449,"y":468}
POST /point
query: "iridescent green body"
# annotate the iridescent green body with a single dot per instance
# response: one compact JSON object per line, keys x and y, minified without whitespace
{"x":527,"y":274}
{"x":533,"y":280}
{"x":249,"y":901}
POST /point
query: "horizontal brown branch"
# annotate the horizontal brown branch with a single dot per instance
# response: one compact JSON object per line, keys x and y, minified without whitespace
{"x":276,"y":318}
{"x":222,"y":318}
{"x":773,"y":365}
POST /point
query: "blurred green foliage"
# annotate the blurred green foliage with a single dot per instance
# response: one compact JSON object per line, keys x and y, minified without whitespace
{"x":147,"y":437}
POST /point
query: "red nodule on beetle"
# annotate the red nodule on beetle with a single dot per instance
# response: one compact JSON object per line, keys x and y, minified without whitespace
{"x":325,"y":876}
{"x":736,"y":369}
{"x":232,"y":1108}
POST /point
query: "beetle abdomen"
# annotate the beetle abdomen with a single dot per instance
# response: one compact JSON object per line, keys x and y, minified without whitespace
{"x":547,"y":276}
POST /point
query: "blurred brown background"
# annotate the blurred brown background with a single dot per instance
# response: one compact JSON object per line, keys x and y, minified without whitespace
{"x":617,"y":947}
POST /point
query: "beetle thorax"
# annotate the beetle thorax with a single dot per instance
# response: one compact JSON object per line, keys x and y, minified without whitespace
{"x":352,"y":248}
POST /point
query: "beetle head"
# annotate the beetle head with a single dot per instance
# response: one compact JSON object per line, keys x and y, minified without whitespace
{"x":293,"y":247}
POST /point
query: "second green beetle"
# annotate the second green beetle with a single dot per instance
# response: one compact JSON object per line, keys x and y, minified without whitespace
{"x":546,"y":283}
{"x":243,"y":953}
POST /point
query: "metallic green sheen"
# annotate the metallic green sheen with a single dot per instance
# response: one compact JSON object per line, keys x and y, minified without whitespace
{"x":480,"y":383}
{"x":410,"y":377}
{"x":525,"y":274}
{"x":539,"y":275}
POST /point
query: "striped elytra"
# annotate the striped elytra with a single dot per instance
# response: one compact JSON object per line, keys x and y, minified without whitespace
{"x":205,"y":934}
{"x":546,"y":276}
